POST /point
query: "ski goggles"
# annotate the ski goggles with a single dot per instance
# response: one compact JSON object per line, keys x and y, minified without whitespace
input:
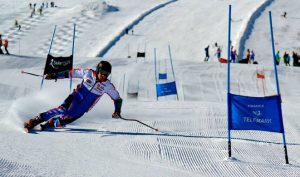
{"x":102,"y":72}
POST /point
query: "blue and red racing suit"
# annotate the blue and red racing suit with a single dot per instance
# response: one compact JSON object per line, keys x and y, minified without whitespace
{"x":84,"y":97}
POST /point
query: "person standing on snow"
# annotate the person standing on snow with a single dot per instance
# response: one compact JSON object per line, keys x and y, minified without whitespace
{"x":252,"y":56}
{"x":1,"y":52}
{"x":286,"y":59}
{"x":233,"y":55}
{"x":295,"y":59}
{"x":277,"y":58}
{"x":218,"y":53}
{"x":206,"y":53}
{"x":248,"y":55}
{"x":81,"y":100}
{"x":5,"y":44}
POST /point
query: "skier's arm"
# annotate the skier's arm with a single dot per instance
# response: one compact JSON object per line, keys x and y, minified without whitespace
{"x":74,"y":73}
{"x":114,"y":94}
{"x":56,"y":76}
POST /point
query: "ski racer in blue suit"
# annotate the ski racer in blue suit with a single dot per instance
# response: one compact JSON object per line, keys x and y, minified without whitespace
{"x":82,"y":99}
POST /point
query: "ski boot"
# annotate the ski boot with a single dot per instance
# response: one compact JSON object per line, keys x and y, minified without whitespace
{"x":31,"y":123}
{"x":52,"y":123}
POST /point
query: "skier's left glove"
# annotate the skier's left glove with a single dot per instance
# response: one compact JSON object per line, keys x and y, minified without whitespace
{"x":116,"y":115}
{"x":118,"y":105}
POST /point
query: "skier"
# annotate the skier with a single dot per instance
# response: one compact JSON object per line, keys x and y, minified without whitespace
{"x":5,"y":44}
{"x":206,"y":53}
{"x":284,"y":14}
{"x":81,"y":100}
{"x":16,"y":23}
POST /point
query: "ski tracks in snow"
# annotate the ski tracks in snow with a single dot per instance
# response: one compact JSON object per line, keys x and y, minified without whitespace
{"x":198,"y":144}
{"x":14,"y":169}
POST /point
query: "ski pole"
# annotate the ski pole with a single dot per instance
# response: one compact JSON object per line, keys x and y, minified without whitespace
{"x":23,"y":72}
{"x":140,"y":123}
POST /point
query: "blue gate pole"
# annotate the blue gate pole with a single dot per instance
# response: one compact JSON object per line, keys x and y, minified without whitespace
{"x":173,"y":70}
{"x":277,"y":85}
{"x":228,"y":83}
{"x":155,"y":73}
{"x":48,"y":53}
{"x":73,"y":47}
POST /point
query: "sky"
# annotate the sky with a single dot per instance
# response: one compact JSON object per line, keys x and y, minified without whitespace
{"x":192,"y":140}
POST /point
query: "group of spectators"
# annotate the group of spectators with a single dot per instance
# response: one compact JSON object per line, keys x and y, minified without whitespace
{"x":32,"y":7}
{"x":250,"y":55}
{"x":287,"y":58}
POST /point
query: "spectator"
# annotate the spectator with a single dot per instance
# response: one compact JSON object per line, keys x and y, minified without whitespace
{"x":233,"y":55}
{"x":16,"y":23}
{"x":295,"y":59}
{"x":40,"y":10}
{"x":277,"y":58}
{"x":32,"y":12}
{"x":248,"y":55}
{"x":1,"y":52}
{"x":252,"y":56}
{"x":5,"y":44}
{"x":206,"y":53}
{"x":286,"y":59}
{"x":218,"y":53}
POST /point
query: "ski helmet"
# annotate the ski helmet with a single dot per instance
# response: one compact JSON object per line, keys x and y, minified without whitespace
{"x":104,"y":67}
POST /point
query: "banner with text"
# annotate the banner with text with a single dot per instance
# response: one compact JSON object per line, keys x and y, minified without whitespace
{"x":255,"y":113}
{"x":166,"y":89}
{"x":58,"y":64}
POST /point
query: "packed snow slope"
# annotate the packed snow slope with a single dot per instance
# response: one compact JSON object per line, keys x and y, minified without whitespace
{"x":192,"y":140}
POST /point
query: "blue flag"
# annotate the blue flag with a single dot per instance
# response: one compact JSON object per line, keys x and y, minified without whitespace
{"x":162,"y":76}
{"x":166,"y":89}
{"x":255,"y":113}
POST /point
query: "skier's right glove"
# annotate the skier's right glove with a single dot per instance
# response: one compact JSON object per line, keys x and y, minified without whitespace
{"x":56,"y":76}
{"x":116,"y":115}
{"x":51,"y":76}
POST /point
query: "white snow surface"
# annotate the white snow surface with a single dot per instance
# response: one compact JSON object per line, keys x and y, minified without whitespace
{"x":192,"y":140}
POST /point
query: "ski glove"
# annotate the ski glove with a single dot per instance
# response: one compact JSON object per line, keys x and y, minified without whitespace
{"x":56,"y":76}
{"x":116,"y":115}
{"x":118,"y":105}
{"x":51,"y":76}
